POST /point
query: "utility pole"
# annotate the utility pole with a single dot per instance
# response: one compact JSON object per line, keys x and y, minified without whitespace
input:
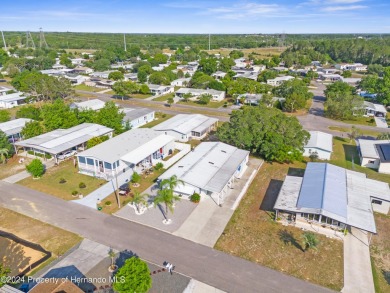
{"x":42,"y":40}
{"x":5,"y":45}
{"x":209,"y":42}
{"x":124,"y":40}
{"x":28,"y":39}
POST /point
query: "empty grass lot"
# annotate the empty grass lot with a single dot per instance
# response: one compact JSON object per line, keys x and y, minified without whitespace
{"x":49,"y":183}
{"x":380,"y":251}
{"x":164,"y":97}
{"x":362,"y":131}
{"x":212,"y":104}
{"x":260,"y":52}
{"x":83,"y":87}
{"x":252,"y":234}
{"x":53,"y":239}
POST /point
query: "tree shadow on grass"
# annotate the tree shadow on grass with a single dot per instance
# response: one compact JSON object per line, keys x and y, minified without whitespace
{"x":351,"y":153}
{"x":288,"y":238}
{"x":297,"y":172}
{"x":386,"y":275}
{"x":271,"y":195}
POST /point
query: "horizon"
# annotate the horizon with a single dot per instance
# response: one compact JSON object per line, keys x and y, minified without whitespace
{"x":200,"y":17}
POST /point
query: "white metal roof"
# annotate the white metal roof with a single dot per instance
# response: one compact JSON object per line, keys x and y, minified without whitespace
{"x":320,"y":140}
{"x":368,"y":149}
{"x":135,"y":113}
{"x":94,"y":104}
{"x":12,"y":97}
{"x":375,"y":107}
{"x":335,"y":192}
{"x":14,"y":126}
{"x":60,"y":140}
{"x":210,"y":166}
{"x":131,"y":146}
{"x":185,"y":123}
{"x":185,"y":90}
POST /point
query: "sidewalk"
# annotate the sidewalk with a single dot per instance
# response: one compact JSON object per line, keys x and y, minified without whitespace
{"x":102,"y":192}
{"x":357,"y":263}
{"x":208,"y":221}
{"x":198,"y":287}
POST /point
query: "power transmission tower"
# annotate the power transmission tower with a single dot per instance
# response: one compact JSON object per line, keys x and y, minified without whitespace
{"x":209,"y":42}
{"x":42,"y":41}
{"x":124,"y":40}
{"x":281,"y":40}
{"x":5,"y":45}
{"x":29,"y":39}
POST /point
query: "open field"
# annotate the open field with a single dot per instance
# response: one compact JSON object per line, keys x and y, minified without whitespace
{"x":252,"y":234}
{"x":380,"y":251}
{"x":12,"y":167}
{"x":51,"y":238}
{"x":50,"y":181}
{"x":260,"y":52}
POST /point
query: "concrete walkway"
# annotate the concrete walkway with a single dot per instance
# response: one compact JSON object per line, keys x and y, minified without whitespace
{"x":198,"y":287}
{"x":208,"y":221}
{"x":104,"y":91}
{"x":102,"y":192}
{"x":381,"y":122}
{"x":81,"y":260}
{"x":357,"y":264}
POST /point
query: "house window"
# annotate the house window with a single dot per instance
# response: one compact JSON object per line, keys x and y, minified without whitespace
{"x":371,"y":162}
{"x":90,"y":162}
{"x":378,"y":202}
{"x":82,"y":160}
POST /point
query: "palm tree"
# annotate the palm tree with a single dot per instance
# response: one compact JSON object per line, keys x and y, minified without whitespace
{"x":166,"y":197}
{"x":138,"y":199}
{"x":111,"y":254}
{"x":310,"y":240}
{"x":171,"y":183}
{"x":3,"y":155}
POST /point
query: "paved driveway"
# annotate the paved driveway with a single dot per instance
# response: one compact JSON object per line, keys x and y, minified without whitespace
{"x":215,"y":268}
{"x":357,"y":264}
{"x":381,"y":122}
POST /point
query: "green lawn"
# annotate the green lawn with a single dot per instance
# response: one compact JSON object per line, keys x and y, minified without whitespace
{"x":49,"y":183}
{"x":345,"y":154}
{"x":362,"y":131}
{"x":83,"y":87}
{"x":213,"y":105}
{"x":160,"y":117}
{"x":164,"y":97}
{"x":370,"y":121}
{"x":139,"y":96}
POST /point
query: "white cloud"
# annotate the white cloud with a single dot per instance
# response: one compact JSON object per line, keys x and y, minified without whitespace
{"x":239,"y":11}
{"x":343,"y":8}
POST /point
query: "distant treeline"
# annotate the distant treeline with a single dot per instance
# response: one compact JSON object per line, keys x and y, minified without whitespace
{"x":71,"y":40}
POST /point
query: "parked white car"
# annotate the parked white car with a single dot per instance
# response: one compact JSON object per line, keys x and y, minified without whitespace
{"x":66,"y":155}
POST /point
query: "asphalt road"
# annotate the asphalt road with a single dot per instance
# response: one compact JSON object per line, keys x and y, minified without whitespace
{"x":314,"y":120}
{"x":218,"y":269}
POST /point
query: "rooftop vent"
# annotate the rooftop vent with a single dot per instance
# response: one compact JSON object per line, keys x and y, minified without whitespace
{"x":211,"y":163}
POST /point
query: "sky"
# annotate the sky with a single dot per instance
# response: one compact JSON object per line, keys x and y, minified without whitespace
{"x":197,"y":16}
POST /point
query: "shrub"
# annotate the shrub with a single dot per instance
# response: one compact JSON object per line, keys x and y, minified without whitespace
{"x":46,"y":156}
{"x":62,"y":180}
{"x":195,"y":197}
{"x":108,"y":203}
{"x":36,"y":168}
{"x":136,"y":178}
{"x":159,"y":166}
{"x":82,"y":185}
{"x":75,"y":192}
